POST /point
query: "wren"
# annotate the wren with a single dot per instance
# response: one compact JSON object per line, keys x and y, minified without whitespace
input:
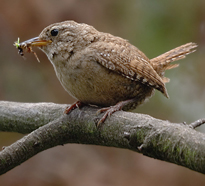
{"x":100,"y":69}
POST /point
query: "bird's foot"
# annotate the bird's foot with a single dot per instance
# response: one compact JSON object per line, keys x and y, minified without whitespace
{"x":77,"y":104}
{"x":127,"y":105}
{"x":108,"y":112}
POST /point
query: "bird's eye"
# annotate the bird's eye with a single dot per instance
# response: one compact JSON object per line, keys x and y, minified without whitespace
{"x":54,"y":32}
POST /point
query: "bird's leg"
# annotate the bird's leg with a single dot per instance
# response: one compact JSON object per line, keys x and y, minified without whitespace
{"x":110,"y":110}
{"x":77,"y":104}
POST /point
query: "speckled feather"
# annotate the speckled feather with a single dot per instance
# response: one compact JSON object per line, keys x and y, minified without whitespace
{"x":162,"y":62}
{"x":128,"y":61}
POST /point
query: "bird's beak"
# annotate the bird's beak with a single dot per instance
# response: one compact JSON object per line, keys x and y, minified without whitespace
{"x":28,"y":44}
{"x":36,"y":41}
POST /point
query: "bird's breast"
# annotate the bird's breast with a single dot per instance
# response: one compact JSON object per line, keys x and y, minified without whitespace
{"x":91,"y":83}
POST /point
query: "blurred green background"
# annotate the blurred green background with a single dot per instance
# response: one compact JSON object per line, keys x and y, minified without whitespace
{"x":154,"y":26}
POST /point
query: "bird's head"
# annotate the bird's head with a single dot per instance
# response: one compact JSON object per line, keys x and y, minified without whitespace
{"x":62,"y":39}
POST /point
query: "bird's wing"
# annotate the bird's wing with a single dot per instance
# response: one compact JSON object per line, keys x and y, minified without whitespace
{"x":127,"y":61}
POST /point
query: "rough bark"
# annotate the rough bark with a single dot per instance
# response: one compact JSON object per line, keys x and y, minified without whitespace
{"x":48,"y":127}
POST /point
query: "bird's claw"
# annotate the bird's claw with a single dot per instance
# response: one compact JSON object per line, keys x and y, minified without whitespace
{"x":77,"y":104}
{"x":108,"y":112}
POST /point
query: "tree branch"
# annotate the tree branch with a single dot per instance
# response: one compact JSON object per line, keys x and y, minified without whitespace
{"x":49,"y":127}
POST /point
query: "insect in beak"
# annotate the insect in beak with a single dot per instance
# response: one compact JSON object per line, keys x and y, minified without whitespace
{"x":26,"y":46}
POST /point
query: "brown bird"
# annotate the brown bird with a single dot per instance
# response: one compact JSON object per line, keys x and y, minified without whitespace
{"x":100,"y":69}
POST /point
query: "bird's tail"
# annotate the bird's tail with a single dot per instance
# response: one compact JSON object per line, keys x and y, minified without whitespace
{"x":162,"y":62}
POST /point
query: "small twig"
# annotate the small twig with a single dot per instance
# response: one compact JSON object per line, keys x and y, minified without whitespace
{"x":197,"y":123}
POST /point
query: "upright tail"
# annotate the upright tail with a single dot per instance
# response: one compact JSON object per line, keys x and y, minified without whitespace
{"x":162,"y":62}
